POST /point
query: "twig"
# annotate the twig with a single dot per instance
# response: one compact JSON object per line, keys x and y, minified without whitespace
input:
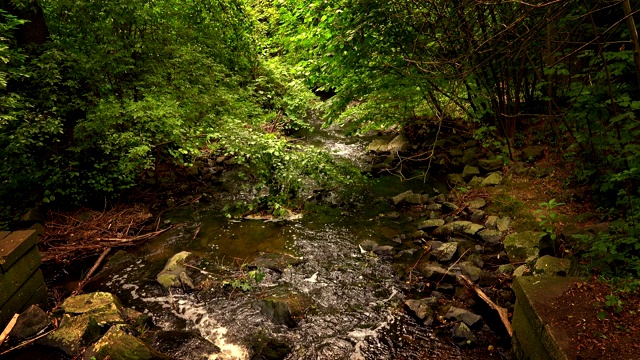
{"x":91,"y":271}
{"x":426,"y":250}
{"x":196,"y":233}
{"x":502,"y":312}
{"x":8,"y":329}
{"x":197,"y":268}
{"x":26,"y":343}
{"x":452,"y":265}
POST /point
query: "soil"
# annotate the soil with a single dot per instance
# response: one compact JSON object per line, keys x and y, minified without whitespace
{"x":595,"y":330}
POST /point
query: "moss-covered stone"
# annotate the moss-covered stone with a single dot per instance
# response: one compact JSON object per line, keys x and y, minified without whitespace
{"x":116,"y":344}
{"x":104,"y":307}
{"x":174,"y":273}
{"x":492,"y":180}
{"x":74,"y":333}
{"x":524,"y":246}
{"x":551,"y":266}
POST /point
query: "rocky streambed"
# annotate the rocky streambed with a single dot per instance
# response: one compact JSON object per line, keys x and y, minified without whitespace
{"x":377,"y":277}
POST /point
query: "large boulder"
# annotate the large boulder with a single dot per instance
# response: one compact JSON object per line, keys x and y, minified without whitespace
{"x":73,"y":334}
{"x":492,"y":180}
{"x":174,"y":273}
{"x":551,"y":266}
{"x":524,"y":246}
{"x":398,"y":144}
{"x":117,"y":344}
{"x":532,"y":153}
{"x":489,"y":165}
{"x":105,"y":308}
{"x":377,"y":145}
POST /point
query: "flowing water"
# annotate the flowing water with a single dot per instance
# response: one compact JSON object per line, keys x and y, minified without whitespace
{"x":351,"y":301}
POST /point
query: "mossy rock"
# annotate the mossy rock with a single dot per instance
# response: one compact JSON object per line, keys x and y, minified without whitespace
{"x":524,"y":246}
{"x":74,"y":333}
{"x":117,"y":344}
{"x":104,"y":307}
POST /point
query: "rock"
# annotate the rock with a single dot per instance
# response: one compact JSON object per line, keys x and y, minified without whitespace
{"x":458,"y":314}
{"x":521,"y":271}
{"x":506,"y":269}
{"x":503,"y":223}
{"x":446,"y":251}
{"x":265,"y":347}
{"x":470,"y":171}
{"x":136,"y":318}
{"x":384,"y":250}
{"x":29,"y":323}
{"x":73,"y":334}
{"x":462,"y":332}
{"x":532,"y":153}
{"x":489,"y":165}
{"x":277,"y":262}
{"x":440,"y":198}
{"x":490,"y":236}
{"x":368,"y":245}
{"x":449,"y":207}
{"x":278,"y":311}
{"x":476,"y":181}
{"x":171,"y":275}
{"x":455,"y":179}
{"x":398,"y":144}
{"x":430,"y":224}
{"x":461,"y":226}
{"x":477,"y":203}
{"x":400,"y":198}
{"x":418,"y":234}
{"x":433,"y":271}
{"x":492,"y":180}
{"x":524,"y":246}
{"x":470,"y":157}
{"x":492,"y":222}
{"x":105,"y":308}
{"x":477,"y":216}
{"x":434,"y":207}
{"x":421,"y":309}
{"x":116,"y":344}
{"x":551,"y":266}
{"x":416,"y":199}
{"x":377,"y":145}
{"x":518,"y":168}
{"x":183,"y":344}
{"x":473,"y":272}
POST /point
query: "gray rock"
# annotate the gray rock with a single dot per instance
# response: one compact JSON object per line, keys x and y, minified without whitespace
{"x":524,"y":246}
{"x":476,"y":181}
{"x":551,"y":266}
{"x":377,"y":145}
{"x":461,"y":226}
{"x":477,"y":216}
{"x":384,"y":250}
{"x":398,"y":144}
{"x":490,"y":236}
{"x":278,"y":261}
{"x":433,"y":271}
{"x":400,"y":198}
{"x":462,"y":332}
{"x":116,"y":344}
{"x":492,"y":180}
{"x":471,"y":270}
{"x":532,"y":153}
{"x":182,"y":344}
{"x":418,"y":234}
{"x":521,"y":271}
{"x":477,"y":203}
{"x":171,"y":274}
{"x":440,"y":198}
{"x":368,"y":245}
{"x":506,"y":269}
{"x":489,"y":165}
{"x":455,"y":179}
{"x":430,"y":224}
{"x":449,"y":207}
{"x":518,"y":168}
{"x":434,"y":207}
{"x":466,"y":316}
{"x":492,"y":222}
{"x":446,"y":251}
{"x":470,"y":157}
{"x":415,"y":199}
{"x":29,"y":323}
{"x":503,"y":223}
{"x":421,"y":309}
{"x":469,"y":172}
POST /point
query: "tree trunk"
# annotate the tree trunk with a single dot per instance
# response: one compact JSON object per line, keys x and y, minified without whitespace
{"x":633,"y":34}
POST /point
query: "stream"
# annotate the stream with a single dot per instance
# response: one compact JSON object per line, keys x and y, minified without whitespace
{"x":349,"y":302}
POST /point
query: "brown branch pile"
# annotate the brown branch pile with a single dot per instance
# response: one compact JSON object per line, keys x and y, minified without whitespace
{"x":69,"y":237}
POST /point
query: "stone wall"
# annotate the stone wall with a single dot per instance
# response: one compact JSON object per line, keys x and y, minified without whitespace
{"x":21,"y":281}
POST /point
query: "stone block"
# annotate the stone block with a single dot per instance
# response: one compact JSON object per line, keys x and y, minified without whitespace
{"x":18,"y":274}
{"x":14,"y":245}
